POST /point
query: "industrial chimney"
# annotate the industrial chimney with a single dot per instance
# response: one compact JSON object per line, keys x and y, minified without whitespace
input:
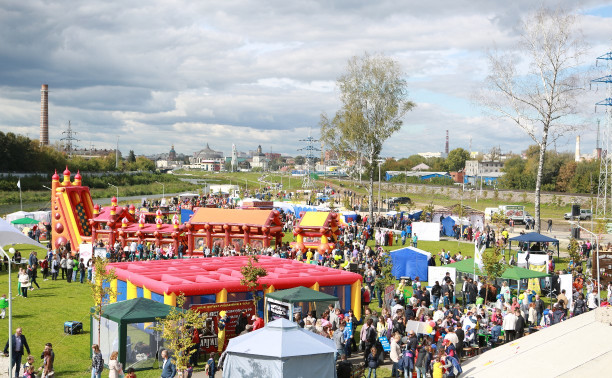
{"x":44,"y":115}
{"x":446,"y":147}
{"x":577,"y":157}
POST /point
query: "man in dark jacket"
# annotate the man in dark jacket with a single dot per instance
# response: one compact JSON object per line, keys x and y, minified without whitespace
{"x":519,"y":328}
{"x":539,"y":307}
{"x":436,"y":292}
{"x":19,"y":344}
{"x":460,"y":336}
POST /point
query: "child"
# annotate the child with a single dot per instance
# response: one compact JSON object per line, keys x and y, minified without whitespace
{"x":437,"y":369}
{"x":372,"y":362}
{"x":28,"y":367}
{"x":210,"y":366}
{"x":189,"y":370}
{"x":130,"y":373}
{"x":3,"y":306}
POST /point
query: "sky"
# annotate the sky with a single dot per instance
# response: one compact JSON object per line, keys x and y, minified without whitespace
{"x":187,"y":73}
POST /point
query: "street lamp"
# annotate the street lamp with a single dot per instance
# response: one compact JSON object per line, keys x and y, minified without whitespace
{"x":46,"y":187}
{"x":109,"y":184}
{"x":379,"y":161}
{"x":163,"y":188}
{"x":596,"y":238}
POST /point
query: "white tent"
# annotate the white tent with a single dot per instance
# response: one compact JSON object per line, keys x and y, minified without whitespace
{"x":11,"y":235}
{"x":578,"y":347}
{"x":280,"y":349}
{"x":18,"y":215}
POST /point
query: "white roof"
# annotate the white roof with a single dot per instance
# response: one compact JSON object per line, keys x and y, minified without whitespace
{"x":577,"y":347}
{"x":281,"y":338}
{"x":415,"y":249}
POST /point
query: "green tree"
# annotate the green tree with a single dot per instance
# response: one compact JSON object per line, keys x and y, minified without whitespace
{"x":177,"y":331}
{"x":299,"y":160}
{"x":456,"y":158}
{"x":101,"y":289}
{"x":251,"y":274}
{"x":385,"y":277}
{"x":131,"y":157}
{"x":374,"y":97}
{"x":541,"y":98}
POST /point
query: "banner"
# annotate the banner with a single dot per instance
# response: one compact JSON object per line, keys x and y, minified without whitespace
{"x":209,"y":342}
{"x":534,"y":283}
{"x":566,"y":281}
{"x":478,"y":256}
{"x":277,"y":309}
{"x":85,"y":252}
{"x":437,"y":273}
{"x":389,"y":294}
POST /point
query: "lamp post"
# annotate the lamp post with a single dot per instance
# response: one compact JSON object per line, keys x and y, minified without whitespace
{"x":379,"y":161}
{"x":10,"y":311}
{"x":163,"y":188}
{"x":109,"y":184}
{"x":597,"y":239}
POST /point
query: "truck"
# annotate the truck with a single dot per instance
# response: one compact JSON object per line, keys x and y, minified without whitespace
{"x":515,"y":212}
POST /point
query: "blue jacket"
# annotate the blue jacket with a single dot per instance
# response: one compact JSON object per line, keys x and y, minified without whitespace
{"x":24,"y":345}
{"x":169,"y":370}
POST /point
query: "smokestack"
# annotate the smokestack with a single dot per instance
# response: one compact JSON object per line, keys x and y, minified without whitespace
{"x":44,"y":115}
{"x":577,"y":157}
{"x":446,"y":148}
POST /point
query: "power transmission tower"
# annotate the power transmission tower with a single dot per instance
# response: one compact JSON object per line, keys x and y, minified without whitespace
{"x":69,"y":139}
{"x":310,"y":149}
{"x":604,"y":202}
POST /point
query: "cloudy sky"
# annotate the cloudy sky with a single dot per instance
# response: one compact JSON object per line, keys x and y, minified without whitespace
{"x":188,"y":73}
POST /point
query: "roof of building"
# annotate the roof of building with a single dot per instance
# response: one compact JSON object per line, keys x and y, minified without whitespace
{"x":258,"y":218}
{"x":208,"y":153}
{"x":201,"y":276}
{"x":577,"y":347}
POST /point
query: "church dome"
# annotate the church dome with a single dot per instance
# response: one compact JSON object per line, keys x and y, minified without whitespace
{"x":208,"y":154}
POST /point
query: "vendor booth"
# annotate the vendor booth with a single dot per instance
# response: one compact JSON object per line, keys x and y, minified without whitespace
{"x":410,"y":262}
{"x":538,"y":245}
{"x":126,"y":328}
{"x":280,"y":349}
{"x":285,"y":303}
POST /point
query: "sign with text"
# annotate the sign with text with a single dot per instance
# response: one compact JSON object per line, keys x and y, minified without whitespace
{"x":209,"y":339}
{"x":389,"y":294}
{"x":277,"y":309}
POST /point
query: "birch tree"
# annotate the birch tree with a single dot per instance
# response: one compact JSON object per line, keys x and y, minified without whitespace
{"x":374,"y":97}
{"x":536,"y":87}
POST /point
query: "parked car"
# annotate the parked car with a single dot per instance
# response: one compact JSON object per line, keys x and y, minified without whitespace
{"x":399,"y":200}
{"x":585,"y":214}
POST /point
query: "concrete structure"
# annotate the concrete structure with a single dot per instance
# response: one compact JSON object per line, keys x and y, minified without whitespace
{"x":478,"y":168}
{"x":44,"y":115}
{"x":207,"y":159}
{"x":577,"y":347}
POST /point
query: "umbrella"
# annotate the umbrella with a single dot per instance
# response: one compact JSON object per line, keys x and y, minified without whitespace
{"x":25,"y":221}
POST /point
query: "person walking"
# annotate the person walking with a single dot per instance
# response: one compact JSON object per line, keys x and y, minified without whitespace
{"x":549,"y":228}
{"x":82,"y":269}
{"x":19,"y":344}
{"x":32,"y":273}
{"x":24,"y":282}
{"x":97,"y":363}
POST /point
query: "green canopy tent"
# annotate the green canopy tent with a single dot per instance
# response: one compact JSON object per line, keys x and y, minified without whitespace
{"x":25,"y":221}
{"x":465,"y":266}
{"x":282,"y":303}
{"x":125,"y":327}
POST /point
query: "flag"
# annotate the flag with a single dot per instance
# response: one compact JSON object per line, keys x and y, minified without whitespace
{"x":19,"y":183}
{"x":478,"y":256}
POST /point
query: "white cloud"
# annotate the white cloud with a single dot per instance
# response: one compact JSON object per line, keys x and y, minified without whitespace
{"x":245,"y":72}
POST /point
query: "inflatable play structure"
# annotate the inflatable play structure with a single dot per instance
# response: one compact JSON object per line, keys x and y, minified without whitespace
{"x":217,"y":280}
{"x":317,"y":230}
{"x":212,"y":226}
{"x":77,"y":220}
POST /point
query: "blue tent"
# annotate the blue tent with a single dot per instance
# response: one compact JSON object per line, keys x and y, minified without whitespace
{"x":410,"y":262}
{"x":447,"y":226}
{"x":415,"y":216}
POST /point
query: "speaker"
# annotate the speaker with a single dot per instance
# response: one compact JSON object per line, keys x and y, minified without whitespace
{"x":575,"y":210}
{"x":575,"y":233}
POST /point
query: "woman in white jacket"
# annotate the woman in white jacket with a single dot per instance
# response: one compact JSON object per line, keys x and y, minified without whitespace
{"x":114,"y":367}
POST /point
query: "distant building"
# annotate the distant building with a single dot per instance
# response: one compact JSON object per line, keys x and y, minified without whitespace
{"x":207,"y":159}
{"x":429,"y":155}
{"x":172,"y":154}
{"x":422,"y":175}
{"x":420,"y":167}
{"x":259,"y":159}
{"x":482,"y":168}
{"x":171,"y":162}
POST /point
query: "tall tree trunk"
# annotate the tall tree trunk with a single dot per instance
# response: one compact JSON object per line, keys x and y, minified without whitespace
{"x":538,"y":188}
{"x":371,"y":194}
